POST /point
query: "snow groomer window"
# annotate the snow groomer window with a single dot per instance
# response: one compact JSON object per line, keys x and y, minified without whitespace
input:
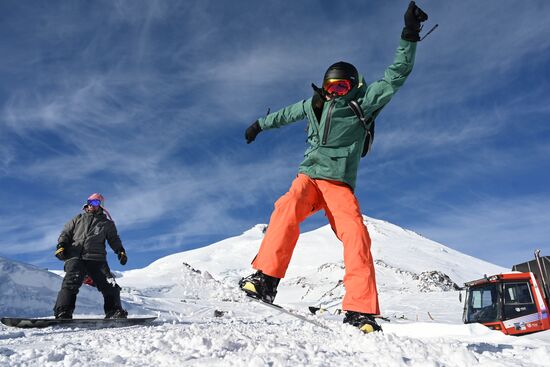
{"x":517,"y":293}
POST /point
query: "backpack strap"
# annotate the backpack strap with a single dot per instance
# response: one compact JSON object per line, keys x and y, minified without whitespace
{"x":356,"y":108}
{"x":368,"y":124}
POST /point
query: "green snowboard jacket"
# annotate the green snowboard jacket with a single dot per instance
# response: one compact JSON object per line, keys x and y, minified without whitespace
{"x":336,"y":142}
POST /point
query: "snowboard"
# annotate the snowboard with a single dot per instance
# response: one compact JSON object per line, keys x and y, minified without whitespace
{"x":87,"y":322}
{"x":286,"y":311}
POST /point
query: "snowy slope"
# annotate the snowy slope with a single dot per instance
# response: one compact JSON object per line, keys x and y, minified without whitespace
{"x":205,"y":321}
{"x":397,"y":247}
{"x":26,"y":290}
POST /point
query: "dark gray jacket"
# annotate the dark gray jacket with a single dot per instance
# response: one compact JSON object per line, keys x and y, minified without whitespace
{"x":84,"y":236}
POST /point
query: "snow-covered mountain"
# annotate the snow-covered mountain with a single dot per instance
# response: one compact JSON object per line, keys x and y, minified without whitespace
{"x":204,"y":320}
{"x":26,"y":290}
{"x":406,"y":263}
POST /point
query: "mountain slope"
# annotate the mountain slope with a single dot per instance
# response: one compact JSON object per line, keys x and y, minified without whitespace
{"x":405,"y":262}
{"x":26,"y":290}
{"x":409,"y":268}
{"x":396,"y":247}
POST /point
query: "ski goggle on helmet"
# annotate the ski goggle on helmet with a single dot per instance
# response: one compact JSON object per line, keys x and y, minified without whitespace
{"x":339,"y":87}
{"x":340,"y":78}
{"x":96,"y":200}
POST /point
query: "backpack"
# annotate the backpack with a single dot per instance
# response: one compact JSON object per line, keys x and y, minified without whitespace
{"x":368,"y":124}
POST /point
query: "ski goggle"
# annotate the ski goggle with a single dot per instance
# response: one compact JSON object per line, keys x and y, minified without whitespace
{"x":338,"y":87}
{"x":94,"y":202}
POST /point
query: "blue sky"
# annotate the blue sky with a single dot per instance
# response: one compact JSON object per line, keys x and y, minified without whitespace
{"x":147,"y":103}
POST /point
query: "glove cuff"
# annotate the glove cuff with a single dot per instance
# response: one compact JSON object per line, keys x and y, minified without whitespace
{"x":410,"y":35}
{"x":256,"y":126}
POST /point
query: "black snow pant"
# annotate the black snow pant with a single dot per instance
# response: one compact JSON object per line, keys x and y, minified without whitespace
{"x":75,"y":271}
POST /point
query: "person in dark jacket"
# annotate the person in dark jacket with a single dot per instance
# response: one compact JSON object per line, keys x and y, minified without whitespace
{"x":81,"y":246}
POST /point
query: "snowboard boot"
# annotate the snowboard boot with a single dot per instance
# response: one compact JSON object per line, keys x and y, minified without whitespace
{"x":117,"y":314}
{"x":260,"y":286}
{"x":364,"y":321}
{"x":64,"y":315}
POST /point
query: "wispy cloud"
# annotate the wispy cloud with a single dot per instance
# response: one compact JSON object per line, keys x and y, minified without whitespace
{"x":502,"y":231}
{"x":22,"y":238}
{"x":147,"y":102}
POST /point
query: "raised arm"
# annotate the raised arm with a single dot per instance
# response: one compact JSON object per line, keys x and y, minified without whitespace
{"x":379,"y":93}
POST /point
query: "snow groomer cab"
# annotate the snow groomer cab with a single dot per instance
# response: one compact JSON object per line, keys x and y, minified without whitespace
{"x":515,"y":303}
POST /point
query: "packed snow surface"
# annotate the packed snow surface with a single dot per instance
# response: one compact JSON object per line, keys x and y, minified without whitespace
{"x":203,"y":320}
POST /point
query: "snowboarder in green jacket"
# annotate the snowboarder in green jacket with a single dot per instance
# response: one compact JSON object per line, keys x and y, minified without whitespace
{"x":327,"y":176}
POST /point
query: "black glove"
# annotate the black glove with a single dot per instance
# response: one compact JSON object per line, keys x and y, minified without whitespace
{"x":122,"y":258}
{"x":252,"y":131}
{"x":413,"y":17}
{"x":60,"y":252}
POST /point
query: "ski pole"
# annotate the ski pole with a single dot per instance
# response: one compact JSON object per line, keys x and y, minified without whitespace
{"x":430,"y":31}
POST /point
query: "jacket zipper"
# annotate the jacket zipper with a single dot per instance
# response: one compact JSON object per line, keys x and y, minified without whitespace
{"x":327,"y":123}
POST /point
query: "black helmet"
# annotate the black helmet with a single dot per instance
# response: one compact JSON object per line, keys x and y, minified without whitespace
{"x":342,"y":70}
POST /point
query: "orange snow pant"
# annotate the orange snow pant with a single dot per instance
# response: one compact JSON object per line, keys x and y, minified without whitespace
{"x":305,"y":197}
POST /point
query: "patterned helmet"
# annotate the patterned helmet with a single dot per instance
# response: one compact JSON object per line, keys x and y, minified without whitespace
{"x":97,"y":196}
{"x":94,"y":198}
